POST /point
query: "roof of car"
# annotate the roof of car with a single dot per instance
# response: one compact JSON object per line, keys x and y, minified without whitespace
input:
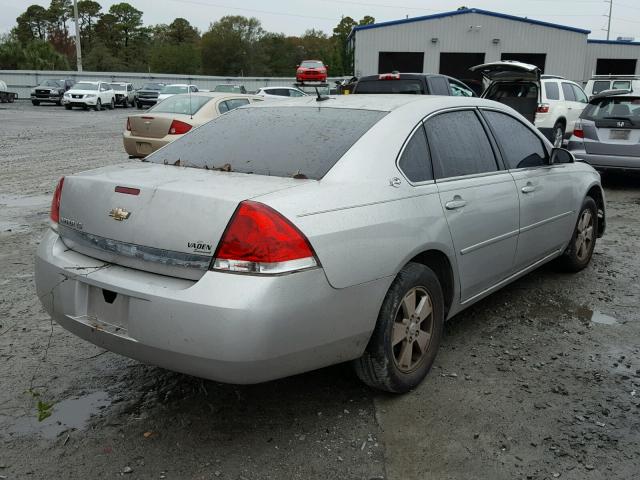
{"x":613,"y":93}
{"x":382,"y":102}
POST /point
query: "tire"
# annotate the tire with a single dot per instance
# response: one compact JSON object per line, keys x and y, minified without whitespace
{"x":67,"y":107}
{"x":112,"y":104}
{"x":557,"y":134}
{"x":59,"y":103}
{"x":35,"y":102}
{"x":12,"y":98}
{"x":580,"y":249}
{"x":125,"y":103}
{"x":98,"y":106}
{"x":397,"y":363}
{"x":139,"y":105}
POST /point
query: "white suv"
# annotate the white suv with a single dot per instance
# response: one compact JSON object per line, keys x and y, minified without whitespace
{"x":90,"y":94}
{"x":600,"y":83}
{"x":561,"y":103}
{"x":551,"y":103}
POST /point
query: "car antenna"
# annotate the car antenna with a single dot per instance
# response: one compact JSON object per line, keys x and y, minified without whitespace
{"x":320,"y":98}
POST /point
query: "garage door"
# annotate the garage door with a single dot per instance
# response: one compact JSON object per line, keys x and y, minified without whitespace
{"x":616,"y":66}
{"x":457,"y":65}
{"x":405,"y":62}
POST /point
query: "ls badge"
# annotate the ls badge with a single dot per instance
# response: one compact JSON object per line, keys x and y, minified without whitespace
{"x":119,"y":214}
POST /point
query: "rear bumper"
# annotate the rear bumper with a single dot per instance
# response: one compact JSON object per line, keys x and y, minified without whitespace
{"x":225,"y":327}
{"x":603,"y":162}
{"x":143,"y":146}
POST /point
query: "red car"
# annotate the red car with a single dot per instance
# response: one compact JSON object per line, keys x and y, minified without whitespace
{"x":311,"y":71}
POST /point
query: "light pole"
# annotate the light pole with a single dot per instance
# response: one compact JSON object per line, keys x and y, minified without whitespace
{"x":78,"y":46}
{"x":609,"y":22}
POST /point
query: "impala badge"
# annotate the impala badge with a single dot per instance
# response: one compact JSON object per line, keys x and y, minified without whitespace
{"x":119,"y":214}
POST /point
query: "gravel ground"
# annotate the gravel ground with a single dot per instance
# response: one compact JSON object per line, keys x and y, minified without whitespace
{"x":540,"y":380}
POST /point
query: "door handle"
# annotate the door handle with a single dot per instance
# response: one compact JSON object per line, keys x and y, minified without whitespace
{"x":528,"y":188}
{"x":456,"y":203}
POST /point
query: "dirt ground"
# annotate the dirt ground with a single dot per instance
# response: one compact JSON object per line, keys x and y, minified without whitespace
{"x":540,"y":380}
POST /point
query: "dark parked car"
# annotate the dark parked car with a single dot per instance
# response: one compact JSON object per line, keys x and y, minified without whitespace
{"x":50,"y":91}
{"x":147,"y":95}
{"x":412,"y":84}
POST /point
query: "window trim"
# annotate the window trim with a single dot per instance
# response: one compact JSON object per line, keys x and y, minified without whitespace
{"x":496,"y":156}
{"x":404,"y":147}
{"x":534,"y":130}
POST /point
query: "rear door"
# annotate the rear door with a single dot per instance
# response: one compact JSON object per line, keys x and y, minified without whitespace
{"x":574,"y":107}
{"x":545,"y":191}
{"x":479,"y":199}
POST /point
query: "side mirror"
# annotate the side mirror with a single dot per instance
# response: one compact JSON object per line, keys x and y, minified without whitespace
{"x":561,"y":155}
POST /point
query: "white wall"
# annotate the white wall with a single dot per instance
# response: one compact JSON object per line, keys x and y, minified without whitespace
{"x":565,"y":50}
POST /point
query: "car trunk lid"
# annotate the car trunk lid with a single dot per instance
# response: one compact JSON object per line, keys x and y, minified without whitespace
{"x":153,"y":126}
{"x":159,"y":218}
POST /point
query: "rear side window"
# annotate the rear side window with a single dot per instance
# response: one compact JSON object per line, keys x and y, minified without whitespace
{"x":580,"y":95}
{"x":232,"y":104}
{"x":187,"y":105}
{"x":568,"y":92}
{"x":621,"y":85}
{"x":412,"y":87}
{"x":600,"y":86}
{"x":520,"y":146}
{"x":414,"y":161}
{"x":282,"y":92}
{"x":551,"y":90}
{"x":459,"y":145}
{"x":285,"y":141}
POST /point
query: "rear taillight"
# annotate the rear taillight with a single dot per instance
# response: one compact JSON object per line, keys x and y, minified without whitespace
{"x":577,"y":130}
{"x":128,"y":125}
{"x":55,"y":202}
{"x":178,"y":128}
{"x":260,"y":240}
{"x":543,"y":108}
{"x":389,"y":76}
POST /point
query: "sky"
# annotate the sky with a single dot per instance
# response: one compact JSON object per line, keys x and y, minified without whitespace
{"x":293,"y":17}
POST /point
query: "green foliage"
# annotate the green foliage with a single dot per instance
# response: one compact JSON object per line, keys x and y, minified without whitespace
{"x":117,"y":41}
{"x":44,"y":410}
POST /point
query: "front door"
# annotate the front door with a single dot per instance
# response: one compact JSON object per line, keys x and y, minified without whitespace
{"x":545,"y":191}
{"x":479,"y":200}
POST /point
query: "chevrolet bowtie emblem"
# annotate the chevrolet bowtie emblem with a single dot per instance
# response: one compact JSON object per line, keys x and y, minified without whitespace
{"x":119,"y":214}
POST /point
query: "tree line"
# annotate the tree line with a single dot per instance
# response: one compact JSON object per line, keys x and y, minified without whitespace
{"x":117,"y":40}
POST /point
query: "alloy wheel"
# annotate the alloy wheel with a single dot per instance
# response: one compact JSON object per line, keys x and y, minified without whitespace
{"x":412,"y":329}
{"x":584,"y":235}
{"x":557,"y":138}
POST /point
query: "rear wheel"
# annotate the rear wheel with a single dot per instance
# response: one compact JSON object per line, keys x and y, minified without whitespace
{"x":558,"y":134}
{"x":35,"y":102}
{"x":139,"y":105}
{"x":580,"y":250}
{"x":405,"y":341}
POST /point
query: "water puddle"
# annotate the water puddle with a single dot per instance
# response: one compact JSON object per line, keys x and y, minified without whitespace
{"x":72,"y":413}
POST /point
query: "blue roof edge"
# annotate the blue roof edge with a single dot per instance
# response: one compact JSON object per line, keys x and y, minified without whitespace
{"x":464,"y":11}
{"x":612,"y":42}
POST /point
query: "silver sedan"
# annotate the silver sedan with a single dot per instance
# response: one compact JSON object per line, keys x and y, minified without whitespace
{"x":285,"y":237}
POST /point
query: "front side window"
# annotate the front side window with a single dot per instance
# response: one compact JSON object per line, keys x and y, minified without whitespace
{"x":551,"y":90}
{"x":414,"y":161}
{"x":459,"y":145}
{"x":521,"y":147}
{"x":567,"y":91}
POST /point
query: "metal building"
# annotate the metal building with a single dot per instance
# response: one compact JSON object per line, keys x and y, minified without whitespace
{"x":452,"y":42}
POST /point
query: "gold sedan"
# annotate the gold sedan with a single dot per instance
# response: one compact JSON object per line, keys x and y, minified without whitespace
{"x":173,"y":117}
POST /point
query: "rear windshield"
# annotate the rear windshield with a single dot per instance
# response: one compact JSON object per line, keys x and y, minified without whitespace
{"x":613,"y":108}
{"x":312,"y":64}
{"x":182,"y":104}
{"x":412,"y":87}
{"x":305,"y":141}
{"x":227,"y":88}
{"x":500,"y":90}
{"x":600,"y":86}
